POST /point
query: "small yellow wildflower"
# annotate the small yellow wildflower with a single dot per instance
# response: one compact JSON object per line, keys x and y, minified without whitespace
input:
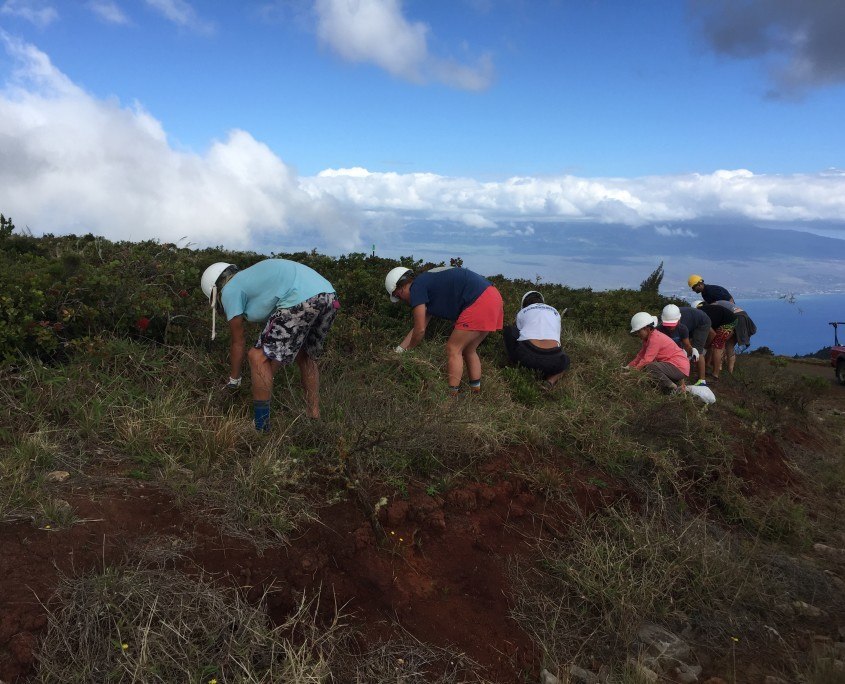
{"x":125,"y":646}
{"x":46,"y":527}
{"x":212,"y":681}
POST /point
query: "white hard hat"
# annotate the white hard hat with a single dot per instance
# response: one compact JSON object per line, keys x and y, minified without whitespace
{"x":392,"y":280}
{"x":642,"y":320}
{"x":670,"y":314}
{"x":210,"y":276}
{"x":531,"y":292}
{"x":698,"y":304}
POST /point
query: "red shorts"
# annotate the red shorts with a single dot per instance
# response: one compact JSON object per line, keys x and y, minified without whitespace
{"x":485,"y":314}
{"x":723,"y":334}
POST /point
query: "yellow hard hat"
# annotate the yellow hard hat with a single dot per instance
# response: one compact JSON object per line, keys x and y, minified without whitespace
{"x":694,"y":280}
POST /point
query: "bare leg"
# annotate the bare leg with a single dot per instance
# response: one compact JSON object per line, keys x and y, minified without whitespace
{"x":471,"y":359}
{"x":309,"y":375}
{"x":708,"y":359}
{"x":702,"y":366}
{"x":717,"y":360}
{"x":458,"y":342}
{"x":262,"y":371}
{"x":730,"y":348}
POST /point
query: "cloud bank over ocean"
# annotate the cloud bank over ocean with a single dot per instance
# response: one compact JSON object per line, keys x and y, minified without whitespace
{"x":73,"y":162}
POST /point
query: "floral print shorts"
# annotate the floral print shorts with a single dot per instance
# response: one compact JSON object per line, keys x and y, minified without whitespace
{"x":303,"y":326}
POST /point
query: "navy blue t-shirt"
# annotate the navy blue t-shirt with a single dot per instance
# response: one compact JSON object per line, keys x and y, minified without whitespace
{"x":693,"y":318}
{"x":447,"y":293}
{"x":713,"y":293}
{"x":676,"y":333}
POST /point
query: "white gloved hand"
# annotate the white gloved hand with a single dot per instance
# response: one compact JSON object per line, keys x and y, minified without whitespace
{"x":694,"y":355}
{"x":233,"y":383}
{"x":400,"y":349}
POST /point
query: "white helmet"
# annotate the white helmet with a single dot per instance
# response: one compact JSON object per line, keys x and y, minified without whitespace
{"x":670,"y":314}
{"x":392,"y":280}
{"x":698,"y":304}
{"x":642,"y":320}
{"x":532,"y":292}
{"x":210,"y":276}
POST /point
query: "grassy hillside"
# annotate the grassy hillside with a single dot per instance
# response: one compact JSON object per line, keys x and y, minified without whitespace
{"x":404,"y":537}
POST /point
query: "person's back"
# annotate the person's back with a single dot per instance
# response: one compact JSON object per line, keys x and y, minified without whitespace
{"x":693,"y":318}
{"x":718,"y":315}
{"x":714,"y":293}
{"x":257,"y":291}
{"x":534,"y":339}
{"x":538,"y":323}
{"x":447,"y":293}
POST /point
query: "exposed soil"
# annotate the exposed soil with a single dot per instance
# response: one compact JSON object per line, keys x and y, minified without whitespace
{"x":434,"y":566}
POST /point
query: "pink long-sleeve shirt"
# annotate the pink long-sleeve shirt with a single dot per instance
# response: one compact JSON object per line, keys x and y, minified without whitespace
{"x":660,"y":347}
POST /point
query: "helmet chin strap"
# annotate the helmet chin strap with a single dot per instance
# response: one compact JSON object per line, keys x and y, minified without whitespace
{"x":213,"y":311}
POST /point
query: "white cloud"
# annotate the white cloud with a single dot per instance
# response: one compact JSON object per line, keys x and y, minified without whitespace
{"x":75,"y":163}
{"x":377,"y":32}
{"x":666,"y":231}
{"x":736,"y":194}
{"x":108,"y":11}
{"x":38,"y":12}
{"x":181,"y":13}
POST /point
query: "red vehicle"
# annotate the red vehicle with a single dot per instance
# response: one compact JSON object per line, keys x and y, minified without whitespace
{"x":837,"y":354}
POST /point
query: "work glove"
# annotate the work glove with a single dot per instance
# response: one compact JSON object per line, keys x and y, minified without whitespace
{"x":694,"y":355}
{"x":233,"y":384}
{"x":400,"y":349}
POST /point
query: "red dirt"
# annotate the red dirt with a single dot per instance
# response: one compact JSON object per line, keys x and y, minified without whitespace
{"x":438,"y":571}
{"x":763,"y":465}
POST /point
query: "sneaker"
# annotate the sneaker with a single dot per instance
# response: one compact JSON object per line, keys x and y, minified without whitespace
{"x":700,"y":383}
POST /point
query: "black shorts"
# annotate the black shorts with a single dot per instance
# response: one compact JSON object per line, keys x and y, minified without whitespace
{"x":546,"y":361}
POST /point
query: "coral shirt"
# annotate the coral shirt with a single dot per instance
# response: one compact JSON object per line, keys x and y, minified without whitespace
{"x":659,"y":347}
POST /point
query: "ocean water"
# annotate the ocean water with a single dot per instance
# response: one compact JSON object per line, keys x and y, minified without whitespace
{"x":796,"y":327}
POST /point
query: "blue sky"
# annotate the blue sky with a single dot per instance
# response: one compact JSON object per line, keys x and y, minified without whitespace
{"x":339,"y":123}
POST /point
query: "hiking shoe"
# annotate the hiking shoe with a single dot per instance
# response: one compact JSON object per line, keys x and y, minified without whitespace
{"x":700,"y":383}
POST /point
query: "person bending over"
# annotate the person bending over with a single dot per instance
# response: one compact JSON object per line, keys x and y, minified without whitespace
{"x":534,"y":340}
{"x":709,"y":293}
{"x":297,"y":306}
{"x":723,"y":321}
{"x":673,"y":327}
{"x":456,"y":294}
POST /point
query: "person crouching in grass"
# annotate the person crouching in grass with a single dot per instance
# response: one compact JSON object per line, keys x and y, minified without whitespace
{"x":298,"y":306}
{"x":673,"y":327}
{"x":659,"y":356}
{"x":534,"y":340}
{"x":456,"y":294}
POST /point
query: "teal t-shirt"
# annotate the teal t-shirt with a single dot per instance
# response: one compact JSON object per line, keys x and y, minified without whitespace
{"x":271,"y":284}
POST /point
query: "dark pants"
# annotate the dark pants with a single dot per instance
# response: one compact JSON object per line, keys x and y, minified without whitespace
{"x":546,"y":361}
{"x":665,"y":373}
